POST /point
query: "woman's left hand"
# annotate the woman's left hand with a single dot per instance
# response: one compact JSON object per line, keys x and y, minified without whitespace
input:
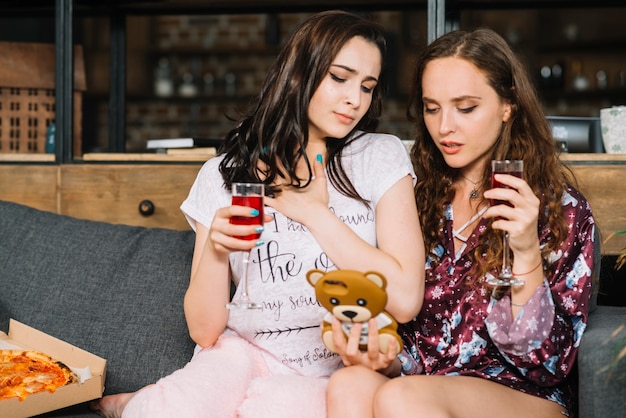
{"x":350,"y":353}
{"x":301,"y":204}
{"x":520,"y":220}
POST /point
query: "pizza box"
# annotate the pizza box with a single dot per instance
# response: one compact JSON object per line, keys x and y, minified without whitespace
{"x":91,"y":367}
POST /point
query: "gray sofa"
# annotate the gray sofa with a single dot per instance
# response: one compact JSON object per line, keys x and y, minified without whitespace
{"x":117,"y":292}
{"x":113,"y":290}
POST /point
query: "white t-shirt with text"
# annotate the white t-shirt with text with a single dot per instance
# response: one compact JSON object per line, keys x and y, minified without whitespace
{"x":288,"y":325}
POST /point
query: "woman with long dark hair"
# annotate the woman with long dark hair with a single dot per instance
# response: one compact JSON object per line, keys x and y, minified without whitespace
{"x":313,"y":120}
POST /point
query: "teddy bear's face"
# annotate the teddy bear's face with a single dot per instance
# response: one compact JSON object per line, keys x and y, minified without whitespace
{"x":350,"y":295}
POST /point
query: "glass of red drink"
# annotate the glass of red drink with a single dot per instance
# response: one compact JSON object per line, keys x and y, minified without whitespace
{"x":513,"y":168}
{"x":250,"y":195}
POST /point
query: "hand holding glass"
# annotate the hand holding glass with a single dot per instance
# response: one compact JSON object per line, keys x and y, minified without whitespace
{"x":251,"y":195}
{"x":514,"y":168}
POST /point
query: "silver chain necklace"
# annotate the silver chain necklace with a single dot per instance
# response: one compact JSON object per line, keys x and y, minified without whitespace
{"x":473,"y":195}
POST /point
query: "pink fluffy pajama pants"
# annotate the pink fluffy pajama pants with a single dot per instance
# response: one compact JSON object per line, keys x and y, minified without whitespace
{"x":231,"y":379}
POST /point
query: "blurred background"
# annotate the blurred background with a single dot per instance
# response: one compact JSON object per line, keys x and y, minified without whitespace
{"x":191,"y":66}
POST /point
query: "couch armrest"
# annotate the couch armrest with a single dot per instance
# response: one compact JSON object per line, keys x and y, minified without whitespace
{"x":602,"y":389}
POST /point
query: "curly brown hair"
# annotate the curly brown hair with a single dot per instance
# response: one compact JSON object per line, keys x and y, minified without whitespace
{"x":525,"y":136}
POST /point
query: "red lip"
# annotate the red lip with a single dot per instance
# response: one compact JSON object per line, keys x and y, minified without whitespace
{"x":450,"y":147}
{"x":343,"y":118}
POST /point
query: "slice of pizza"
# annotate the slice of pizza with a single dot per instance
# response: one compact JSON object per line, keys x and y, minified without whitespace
{"x":24,"y":372}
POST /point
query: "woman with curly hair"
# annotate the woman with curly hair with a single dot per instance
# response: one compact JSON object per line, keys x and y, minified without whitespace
{"x":476,"y":350}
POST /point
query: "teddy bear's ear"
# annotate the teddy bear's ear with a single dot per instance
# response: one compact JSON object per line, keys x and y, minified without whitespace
{"x":314,"y":276}
{"x":377,"y":278}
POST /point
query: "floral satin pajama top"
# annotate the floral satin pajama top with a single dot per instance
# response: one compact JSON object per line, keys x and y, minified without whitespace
{"x":464,"y":331}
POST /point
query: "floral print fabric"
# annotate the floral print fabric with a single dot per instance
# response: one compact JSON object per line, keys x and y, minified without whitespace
{"x":463,"y":330}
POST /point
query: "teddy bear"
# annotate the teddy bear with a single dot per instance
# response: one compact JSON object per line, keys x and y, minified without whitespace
{"x":354,"y":296}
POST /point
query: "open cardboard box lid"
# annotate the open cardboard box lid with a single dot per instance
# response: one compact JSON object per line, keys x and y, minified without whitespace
{"x":31,"y":339}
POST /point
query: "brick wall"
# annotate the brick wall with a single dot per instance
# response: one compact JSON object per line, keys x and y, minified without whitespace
{"x":228,"y":57}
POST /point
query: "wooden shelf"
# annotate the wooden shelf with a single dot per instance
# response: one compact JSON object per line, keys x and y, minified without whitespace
{"x":600,"y":158}
{"x":27,"y":158}
{"x":146,"y":157}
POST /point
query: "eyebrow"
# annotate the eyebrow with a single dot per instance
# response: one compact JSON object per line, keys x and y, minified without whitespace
{"x":353,"y":71}
{"x":456,"y":99}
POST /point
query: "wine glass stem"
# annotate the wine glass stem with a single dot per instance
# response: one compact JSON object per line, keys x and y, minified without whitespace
{"x":506,"y":262}
{"x":244,"y":278}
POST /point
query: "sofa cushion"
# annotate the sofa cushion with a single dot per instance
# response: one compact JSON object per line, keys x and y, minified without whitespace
{"x":114,"y":290}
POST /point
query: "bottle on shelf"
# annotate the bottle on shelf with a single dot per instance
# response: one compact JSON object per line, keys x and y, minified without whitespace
{"x":230,"y":84}
{"x":209,"y":83}
{"x":163,"y":83}
{"x":557,"y":75}
{"x":601,"y":80}
{"x":579,"y":81}
{"x":187,"y":87}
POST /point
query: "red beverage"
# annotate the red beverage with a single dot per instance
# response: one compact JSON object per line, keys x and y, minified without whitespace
{"x":255,"y":202}
{"x":496,"y":184}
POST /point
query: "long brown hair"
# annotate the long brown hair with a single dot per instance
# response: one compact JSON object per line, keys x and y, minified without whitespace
{"x":525,"y":136}
{"x":276,"y":129}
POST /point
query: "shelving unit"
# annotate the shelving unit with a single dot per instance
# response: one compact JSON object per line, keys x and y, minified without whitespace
{"x":442,"y":15}
{"x":239,"y":100}
{"x":111,"y":188}
{"x":582,"y":37}
{"x":117,"y":12}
